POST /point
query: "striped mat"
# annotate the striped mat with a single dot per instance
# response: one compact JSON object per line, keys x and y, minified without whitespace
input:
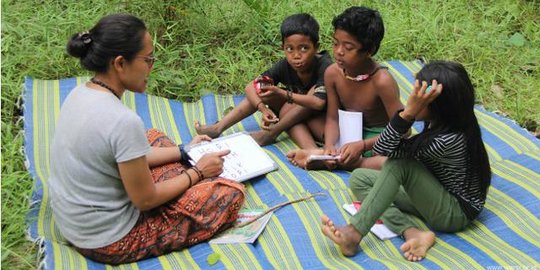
{"x":505,"y":236}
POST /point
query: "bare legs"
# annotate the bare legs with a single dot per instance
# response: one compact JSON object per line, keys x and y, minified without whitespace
{"x":415,"y":248}
{"x":299,"y":157}
{"x":243,"y":110}
{"x":289,"y":117}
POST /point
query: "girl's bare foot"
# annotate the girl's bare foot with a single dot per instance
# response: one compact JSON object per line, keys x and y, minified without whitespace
{"x":211,"y":130}
{"x":263,"y":137}
{"x":346,"y":237}
{"x":417,"y":243}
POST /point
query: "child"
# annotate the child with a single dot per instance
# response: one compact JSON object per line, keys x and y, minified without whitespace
{"x":356,"y":82}
{"x":302,"y":74}
{"x":441,"y":175}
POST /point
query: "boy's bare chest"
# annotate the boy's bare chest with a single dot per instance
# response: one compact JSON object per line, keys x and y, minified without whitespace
{"x":355,"y":96}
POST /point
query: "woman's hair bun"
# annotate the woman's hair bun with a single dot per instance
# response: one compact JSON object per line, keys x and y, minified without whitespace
{"x":79,"y":44}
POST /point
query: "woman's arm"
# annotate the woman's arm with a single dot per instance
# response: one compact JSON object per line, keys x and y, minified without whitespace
{"x":162,"y":155}
{"x":145,"y":195}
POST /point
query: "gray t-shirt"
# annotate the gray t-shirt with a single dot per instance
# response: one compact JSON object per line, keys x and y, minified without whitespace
{"x":94,"y":132}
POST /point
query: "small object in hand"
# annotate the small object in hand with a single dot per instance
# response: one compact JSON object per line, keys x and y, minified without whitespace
{"x":262,"y":81}
{"x":428,"y":89}
{"x":213,"y":258}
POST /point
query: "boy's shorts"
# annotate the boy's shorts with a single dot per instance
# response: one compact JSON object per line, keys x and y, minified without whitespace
{"x":370,"y":133}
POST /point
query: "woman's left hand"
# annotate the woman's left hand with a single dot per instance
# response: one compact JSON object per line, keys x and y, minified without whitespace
{"x":200,"y":138}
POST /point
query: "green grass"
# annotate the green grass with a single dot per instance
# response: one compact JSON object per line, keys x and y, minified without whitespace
{"x":217,"y":46}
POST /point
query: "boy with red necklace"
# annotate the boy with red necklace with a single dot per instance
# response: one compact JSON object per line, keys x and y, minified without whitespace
{"x":355,"y":82}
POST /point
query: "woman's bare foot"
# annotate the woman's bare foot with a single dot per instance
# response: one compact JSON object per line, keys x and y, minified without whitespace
{"x":346,"y":237}
{"x":211,"y":130}
{"x":417,"y":243}
{"x":263,"y":137}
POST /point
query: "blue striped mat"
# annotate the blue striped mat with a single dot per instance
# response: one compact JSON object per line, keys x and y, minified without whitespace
{"x":506,"y":234}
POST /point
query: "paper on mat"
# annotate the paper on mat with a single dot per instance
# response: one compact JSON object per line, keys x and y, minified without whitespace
{"x":350,"y":127}
{"x":379,"y":229}
{"x":246,"y":234}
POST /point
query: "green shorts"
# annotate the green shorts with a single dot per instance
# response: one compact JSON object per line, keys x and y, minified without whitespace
{"x":370,"y":133}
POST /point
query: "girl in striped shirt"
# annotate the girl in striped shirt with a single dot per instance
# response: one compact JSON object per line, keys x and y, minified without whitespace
{"x":440,"y":175}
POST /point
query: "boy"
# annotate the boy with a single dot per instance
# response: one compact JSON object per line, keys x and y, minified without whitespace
{"x":356,"y":83}
{"x":302,"y":74}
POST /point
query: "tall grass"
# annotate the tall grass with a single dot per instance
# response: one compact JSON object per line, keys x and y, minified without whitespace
{"x":217,"y":46}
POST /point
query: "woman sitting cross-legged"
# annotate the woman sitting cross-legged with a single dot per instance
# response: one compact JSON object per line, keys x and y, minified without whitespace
{"x":119,"y":193}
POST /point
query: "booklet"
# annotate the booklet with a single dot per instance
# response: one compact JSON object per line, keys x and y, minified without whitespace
{"x":246,"y":234}
{"x":323,"y":157}
{"x":379,"y":229}
{"x":246,"y":160}
{"x":350,"y":127}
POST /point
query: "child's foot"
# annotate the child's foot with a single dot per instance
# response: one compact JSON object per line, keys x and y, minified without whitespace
{"x":417,"y":243}
{"x":211,"y":130}
{"x":346,"y":237}
{"x":263,"y":137}
{"x":300,"y":158}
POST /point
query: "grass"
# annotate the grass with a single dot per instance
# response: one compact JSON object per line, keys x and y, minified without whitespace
{"x":217,"y":46}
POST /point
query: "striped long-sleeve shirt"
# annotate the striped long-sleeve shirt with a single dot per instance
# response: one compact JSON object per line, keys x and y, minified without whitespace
{"x":445,"y":156}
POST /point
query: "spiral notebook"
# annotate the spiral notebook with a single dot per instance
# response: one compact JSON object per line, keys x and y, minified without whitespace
{"x":246,"y":160}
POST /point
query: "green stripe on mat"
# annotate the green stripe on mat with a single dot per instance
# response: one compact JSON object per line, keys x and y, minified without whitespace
{"x":519,"y":175}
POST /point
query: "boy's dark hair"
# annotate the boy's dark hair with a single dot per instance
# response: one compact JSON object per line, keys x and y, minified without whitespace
{"x":112,"y":36}
{"x":365,"y":24}
{"x":303,"y":24}
{"x":453,"y":111}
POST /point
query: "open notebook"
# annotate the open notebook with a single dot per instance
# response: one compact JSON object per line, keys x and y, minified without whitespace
{"x":246,"y":160}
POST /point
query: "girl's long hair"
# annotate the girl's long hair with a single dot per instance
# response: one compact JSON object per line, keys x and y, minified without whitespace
{"x":453,"y":111}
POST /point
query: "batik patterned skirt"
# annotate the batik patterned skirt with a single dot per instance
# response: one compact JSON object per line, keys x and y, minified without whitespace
{"x":208,"y":207}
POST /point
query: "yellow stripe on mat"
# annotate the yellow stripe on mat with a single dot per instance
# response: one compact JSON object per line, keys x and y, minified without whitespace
{"x":162,"y":117}
{"x":519,"y":175}
{"x":274,"y":239}
{"x":498,"y":250}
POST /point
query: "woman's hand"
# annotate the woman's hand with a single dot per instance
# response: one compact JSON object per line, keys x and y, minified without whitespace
{"x":211,"y":164}
{"x":200,"y":138}
{"x":419,"y":99}
{"x":351,"y":152}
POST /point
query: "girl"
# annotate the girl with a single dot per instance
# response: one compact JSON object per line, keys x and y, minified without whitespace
{"x":117,"y":195}
{"x":441,"y":175}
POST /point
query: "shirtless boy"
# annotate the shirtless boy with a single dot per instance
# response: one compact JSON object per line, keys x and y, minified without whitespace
{"x":356,"y":82}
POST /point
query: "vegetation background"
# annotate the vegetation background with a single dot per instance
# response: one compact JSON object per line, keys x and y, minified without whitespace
{"x":217,"y":46}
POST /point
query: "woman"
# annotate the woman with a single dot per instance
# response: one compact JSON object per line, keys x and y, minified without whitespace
{"x":117,"y":195}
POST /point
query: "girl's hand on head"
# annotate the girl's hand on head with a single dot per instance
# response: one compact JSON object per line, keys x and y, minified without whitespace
{"x":420,"y":97}
{"x":211,"y":164}
{"x":200,"y":138}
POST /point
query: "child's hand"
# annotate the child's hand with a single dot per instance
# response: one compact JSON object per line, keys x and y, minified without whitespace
{"x":200,"y":138}
{"x":268,"y":118}
{"x":330,"y":150}
{"x":351,"y":152}
{"x":211,"y":164}
{"x":420,"y":98}
{"x":270,"y":91}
